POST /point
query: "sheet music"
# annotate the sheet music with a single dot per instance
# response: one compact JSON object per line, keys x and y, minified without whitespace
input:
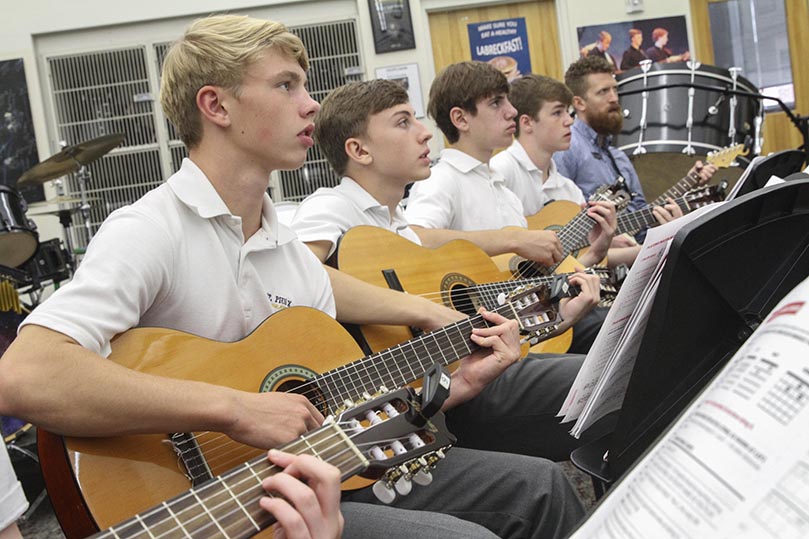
{"x":736,"y":462}
{"x":602,"y":353}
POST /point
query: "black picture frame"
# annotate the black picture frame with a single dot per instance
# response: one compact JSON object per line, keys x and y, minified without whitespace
{"x":392,"y":25}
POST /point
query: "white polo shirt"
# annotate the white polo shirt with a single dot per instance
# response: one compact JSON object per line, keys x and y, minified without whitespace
{"x":329,"y":212}
{"x":12,"y":498}
{"x":524,"y":178}
{"x":177,"y":258}
{"x":463,"y":194}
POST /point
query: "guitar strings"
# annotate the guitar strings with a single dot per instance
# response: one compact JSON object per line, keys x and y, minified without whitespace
{"x":220,"y":448}
{"x":254,"y":493}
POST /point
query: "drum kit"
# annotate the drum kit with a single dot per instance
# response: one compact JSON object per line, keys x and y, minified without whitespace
{"x":24,"y":260}
{"x":678,"y":112}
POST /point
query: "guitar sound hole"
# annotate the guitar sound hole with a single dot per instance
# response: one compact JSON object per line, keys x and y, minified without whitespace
{"x":464,"y":300}
{"x":308,"y":390}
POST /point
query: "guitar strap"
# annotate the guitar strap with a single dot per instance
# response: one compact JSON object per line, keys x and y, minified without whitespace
{"x":603,"y":142}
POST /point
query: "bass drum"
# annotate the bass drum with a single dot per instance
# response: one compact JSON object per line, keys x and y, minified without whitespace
{"x":665,"y":138}
{"x":18,"y":235}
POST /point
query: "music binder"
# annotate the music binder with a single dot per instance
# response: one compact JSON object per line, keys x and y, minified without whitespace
{"x":724,"y":272}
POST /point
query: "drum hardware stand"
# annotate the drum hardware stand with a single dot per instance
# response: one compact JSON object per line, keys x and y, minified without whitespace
{"x":693,"y":66}
{"x":66,"y":221}
{"x":644,"y":65}
{"x":734,"y":74}
{"x":84,"y":177}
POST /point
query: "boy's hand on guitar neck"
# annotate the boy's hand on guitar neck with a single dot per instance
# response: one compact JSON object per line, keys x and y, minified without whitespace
{"x":500,"y":348}
{"x":309,"y":503}
{"x":604,"y":214}
{"x":667,"y":212}
{"x":574,"y":309}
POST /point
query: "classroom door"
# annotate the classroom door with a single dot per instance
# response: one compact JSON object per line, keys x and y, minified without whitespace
{"x":450,"y":39}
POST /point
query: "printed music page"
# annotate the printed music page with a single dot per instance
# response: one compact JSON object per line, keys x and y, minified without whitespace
{"x":736,"y":462}
{"x":633,"y":288}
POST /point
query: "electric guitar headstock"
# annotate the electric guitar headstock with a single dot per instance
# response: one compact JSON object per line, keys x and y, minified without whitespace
{"x":726,"y":156}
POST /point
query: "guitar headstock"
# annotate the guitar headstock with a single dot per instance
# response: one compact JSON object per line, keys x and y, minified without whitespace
{"x":396,"y":429}
{"x":536,"y":307}
{"x":702,"y":196}
{"x":617,"y":193}
{"x":724,"y":158}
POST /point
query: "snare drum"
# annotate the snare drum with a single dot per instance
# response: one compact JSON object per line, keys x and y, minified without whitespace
{"x":18,"y":236}
{"x":50,"y":263}
{"x":667,"y":109}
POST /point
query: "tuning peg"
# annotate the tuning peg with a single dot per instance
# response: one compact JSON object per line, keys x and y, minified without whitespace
{"x":383,"y":492}
{"x":423,"y":478}
{"x":403,"y":485}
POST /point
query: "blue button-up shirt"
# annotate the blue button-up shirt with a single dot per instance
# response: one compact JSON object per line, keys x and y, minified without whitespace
{"x":589,"y":166}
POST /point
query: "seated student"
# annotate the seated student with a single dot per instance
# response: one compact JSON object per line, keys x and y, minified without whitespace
{"x":463,"y":197}
{"x":204,"y":253}
{"x":12,"y":499}
{"x":370,"y":136}
{"x":543,"y":128}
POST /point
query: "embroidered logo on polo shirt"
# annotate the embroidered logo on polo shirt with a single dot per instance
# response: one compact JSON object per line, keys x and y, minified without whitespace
{"x":279,"y":301}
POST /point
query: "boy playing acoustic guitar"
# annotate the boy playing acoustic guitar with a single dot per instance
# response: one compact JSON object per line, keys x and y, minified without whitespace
{"x":205,"y":254}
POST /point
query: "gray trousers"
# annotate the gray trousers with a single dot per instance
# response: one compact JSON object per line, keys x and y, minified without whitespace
{"x":495,"y":488}
{"x":517,"y":411}
{"x":474,"y":494}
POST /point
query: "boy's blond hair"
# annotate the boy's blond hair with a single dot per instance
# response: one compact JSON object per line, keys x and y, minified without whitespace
{"x":217,"y":50}
{"x":462,"y":85}
{"x":345,"y":112}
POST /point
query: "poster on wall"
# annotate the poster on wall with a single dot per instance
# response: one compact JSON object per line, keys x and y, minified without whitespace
{"x":408,"y":76}
{"x":392,"y":26}
{"x":625,"y":44}
{"x":503,"y":43}
{"x":18,"y":146}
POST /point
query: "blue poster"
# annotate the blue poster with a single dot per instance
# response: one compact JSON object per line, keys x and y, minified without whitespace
{"x":504,"y":44}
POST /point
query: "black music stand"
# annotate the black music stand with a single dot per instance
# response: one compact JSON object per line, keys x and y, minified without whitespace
{"x":780,"y":164}
{"x":724,"y":272}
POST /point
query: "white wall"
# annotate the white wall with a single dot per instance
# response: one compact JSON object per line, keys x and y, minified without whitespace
{"x":39,"y":26}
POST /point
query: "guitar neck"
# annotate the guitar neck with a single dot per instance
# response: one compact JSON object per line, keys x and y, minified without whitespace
{"x":227,"y":506}
{"x":678,"y":189}
{"x":632,"y":222}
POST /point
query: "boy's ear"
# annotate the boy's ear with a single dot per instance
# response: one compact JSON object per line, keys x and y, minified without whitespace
{"x":211,"y":104}
{"x":579,"y":104}
{"x":356,"y":151}
{"x":458,"y":117}
{"x":526,"y":123}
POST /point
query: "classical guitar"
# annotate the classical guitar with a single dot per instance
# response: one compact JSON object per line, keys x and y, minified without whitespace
{"x":571,"y":236}
{"x":227,"y":506}
{"x":298,"y":349}
{"x":630,"y":222}
{"x":458,"y":274}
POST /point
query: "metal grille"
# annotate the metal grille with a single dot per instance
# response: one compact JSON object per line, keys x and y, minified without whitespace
{"x":114,"y":91}
{"x":98,"y":94}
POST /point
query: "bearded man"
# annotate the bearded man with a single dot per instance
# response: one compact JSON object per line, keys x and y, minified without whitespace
{"x":592,"y":160}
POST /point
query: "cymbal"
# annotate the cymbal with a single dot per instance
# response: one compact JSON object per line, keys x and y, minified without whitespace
{"x":70,"y":159}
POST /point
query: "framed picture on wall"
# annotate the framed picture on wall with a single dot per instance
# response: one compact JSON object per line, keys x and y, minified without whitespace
{"x":392,"y":25}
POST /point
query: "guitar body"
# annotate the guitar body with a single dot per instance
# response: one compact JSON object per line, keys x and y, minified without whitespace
{"x":365,"y":252}
{"x":110,"y":479}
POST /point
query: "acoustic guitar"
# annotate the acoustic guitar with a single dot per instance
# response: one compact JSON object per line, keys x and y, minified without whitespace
{"x":573,"y":233}
{"x":458,"y":274}
{"x":228,"y":505}
{"x":299,"y":349}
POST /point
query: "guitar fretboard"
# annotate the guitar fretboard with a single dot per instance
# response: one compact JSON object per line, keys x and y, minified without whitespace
{"x":678,"y":189}
{"x":227,"y":506}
